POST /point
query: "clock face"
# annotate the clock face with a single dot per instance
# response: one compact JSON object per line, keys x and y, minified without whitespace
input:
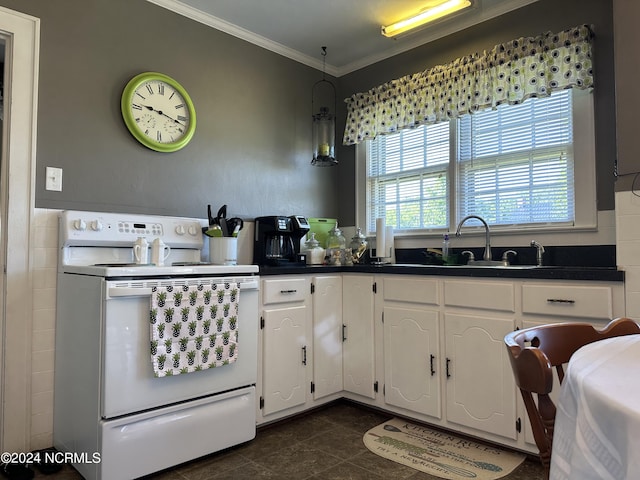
{"x":158,"y":112}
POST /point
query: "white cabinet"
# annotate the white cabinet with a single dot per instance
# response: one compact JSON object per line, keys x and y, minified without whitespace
{"x":480,"y":386}
{"x":546,"y":302}
{"x":300,"y":344}
{"x":327,"y":335}
{"x":411,"y":344}
{"x":284,"y":325}
{"x":578,"y":301}
{"x":358,"y":348}
{"x":435,"y":344}
{"x":480,"y":390}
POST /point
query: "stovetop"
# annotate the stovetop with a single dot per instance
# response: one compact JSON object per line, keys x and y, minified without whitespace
{"x":101,"y":244}
{"x":149,"y":270}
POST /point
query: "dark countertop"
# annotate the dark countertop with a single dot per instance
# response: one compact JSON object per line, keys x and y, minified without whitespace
{"x":604,"y":274}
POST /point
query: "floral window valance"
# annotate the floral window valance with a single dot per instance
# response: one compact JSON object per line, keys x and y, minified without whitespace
{"x":509,"y":73}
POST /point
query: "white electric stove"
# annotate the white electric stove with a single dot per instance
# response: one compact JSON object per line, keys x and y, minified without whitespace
{"x":108,"y":400}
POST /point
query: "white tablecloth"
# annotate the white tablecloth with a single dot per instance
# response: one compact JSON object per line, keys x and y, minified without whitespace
{"x":597,"y":427}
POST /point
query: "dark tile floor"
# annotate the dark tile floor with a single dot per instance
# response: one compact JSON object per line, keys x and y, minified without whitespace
{"x":325,"y":444}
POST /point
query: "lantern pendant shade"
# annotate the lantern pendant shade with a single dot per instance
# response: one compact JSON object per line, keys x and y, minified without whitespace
{"x":324,"y":124}
{"x":324,"y":138}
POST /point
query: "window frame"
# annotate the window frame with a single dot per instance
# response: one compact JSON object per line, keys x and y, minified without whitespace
{"x":586,"y":212}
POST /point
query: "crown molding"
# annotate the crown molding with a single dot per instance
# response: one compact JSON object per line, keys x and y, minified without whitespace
{"x":239,"y":32}
{"x":408,"y":42}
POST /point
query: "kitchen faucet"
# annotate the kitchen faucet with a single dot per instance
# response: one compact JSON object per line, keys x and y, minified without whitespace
{"x":487,"y":246}
{"x":539,"y":251}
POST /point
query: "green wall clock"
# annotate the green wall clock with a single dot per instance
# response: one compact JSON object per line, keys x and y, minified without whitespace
{"x":158,"y":112}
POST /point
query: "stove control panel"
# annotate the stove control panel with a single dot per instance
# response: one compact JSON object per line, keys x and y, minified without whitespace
{"x":78,"y":228}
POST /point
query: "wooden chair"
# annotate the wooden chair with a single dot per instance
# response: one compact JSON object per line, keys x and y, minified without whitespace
{"x":533,"y":354}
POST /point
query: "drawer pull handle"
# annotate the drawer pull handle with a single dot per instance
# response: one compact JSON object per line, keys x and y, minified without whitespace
{"x":448,"y":372}
{"x":559,"y":300}
{"x":304,"y":355}
{"x":344,"y":333}
{"x":288,"y":291}
{"x":433,"y":372}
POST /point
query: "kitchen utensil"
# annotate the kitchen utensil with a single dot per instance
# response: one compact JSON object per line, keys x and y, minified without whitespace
{"x":221,"y":219}
{"x":234,"y":225}
{"x":212,"y":220}
{"x":214,"y":231}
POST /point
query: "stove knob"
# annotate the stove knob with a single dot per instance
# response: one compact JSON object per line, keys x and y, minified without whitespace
{"x":80,"y":225}
{"x":96,"y":225}
{"x":193,"y":230}
{"x":180,"y":230}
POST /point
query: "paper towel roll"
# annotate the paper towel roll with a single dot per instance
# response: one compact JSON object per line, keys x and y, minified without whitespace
{"x":380,"y":237}
{"x":389,"y":243}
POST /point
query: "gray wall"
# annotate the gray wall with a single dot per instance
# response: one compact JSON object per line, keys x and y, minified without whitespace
{"x":542,"y":16}
{"x":252,"y":146}
{"x":627,"y":39}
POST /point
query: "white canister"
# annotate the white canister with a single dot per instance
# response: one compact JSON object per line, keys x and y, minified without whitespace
{"x":159,"y":252}
{"x":223,"y":250}
{"x":141,"y":251}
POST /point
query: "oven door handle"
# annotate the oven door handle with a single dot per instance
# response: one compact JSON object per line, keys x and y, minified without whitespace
{"x":118,"y":292}
{"x":129,"y":292}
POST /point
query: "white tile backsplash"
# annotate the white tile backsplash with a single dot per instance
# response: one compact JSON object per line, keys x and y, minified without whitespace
{"x":628,"y":248}
{"x":45,"y":258}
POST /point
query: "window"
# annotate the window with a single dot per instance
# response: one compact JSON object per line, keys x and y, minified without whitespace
{"x":514,"y":166}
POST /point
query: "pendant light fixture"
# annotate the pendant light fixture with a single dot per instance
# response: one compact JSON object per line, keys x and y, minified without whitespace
{"x":324,"y":125}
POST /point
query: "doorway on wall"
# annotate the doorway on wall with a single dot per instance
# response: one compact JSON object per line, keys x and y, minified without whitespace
{"x":3,"y":209}
{"x":20,"y":34}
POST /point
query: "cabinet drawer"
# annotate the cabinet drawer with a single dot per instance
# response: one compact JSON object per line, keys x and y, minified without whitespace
{"x":284,"y":290}
{"x":568,"y":301}
{"x":478,"y":294}
{"x":414,"y":289}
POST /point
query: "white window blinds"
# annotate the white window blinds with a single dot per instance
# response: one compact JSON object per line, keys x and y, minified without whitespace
{"x":407,"y":178}
{"x":516,"y":162}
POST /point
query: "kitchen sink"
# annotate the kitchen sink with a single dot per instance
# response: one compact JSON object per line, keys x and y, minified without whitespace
{"x":501,"y":265}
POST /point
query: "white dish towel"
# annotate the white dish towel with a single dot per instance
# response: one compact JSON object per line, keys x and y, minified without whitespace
{"x":193,"y":327}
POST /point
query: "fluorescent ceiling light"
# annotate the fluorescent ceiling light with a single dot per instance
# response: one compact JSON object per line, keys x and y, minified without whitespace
{"x":425,"y":16}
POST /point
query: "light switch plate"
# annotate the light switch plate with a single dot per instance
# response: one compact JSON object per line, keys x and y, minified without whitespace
{"x":54,"y":179}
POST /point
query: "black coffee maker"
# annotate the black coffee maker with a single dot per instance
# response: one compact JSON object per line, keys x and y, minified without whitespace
{"x":277,"y":240}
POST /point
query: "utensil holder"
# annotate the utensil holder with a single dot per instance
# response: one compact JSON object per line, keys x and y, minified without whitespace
{"x":223,"y":250}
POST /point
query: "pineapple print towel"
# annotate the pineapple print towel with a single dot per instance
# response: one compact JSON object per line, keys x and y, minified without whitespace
{"x":193,"y":327}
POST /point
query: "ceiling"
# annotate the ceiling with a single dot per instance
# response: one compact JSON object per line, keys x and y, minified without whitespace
{"x":350,"y":29}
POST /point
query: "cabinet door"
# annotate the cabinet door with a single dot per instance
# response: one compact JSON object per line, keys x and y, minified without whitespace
{"x":327,"y":335}
{"x":358,"y":346}
{"x":411,"y":338}
{"x":284,"y":358}
{"x":481,"y":391}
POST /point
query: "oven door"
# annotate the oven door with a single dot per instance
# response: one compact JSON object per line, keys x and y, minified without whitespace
{"x":128,"y":381}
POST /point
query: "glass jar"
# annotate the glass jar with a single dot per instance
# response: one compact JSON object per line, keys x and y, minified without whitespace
{"x":336,"y":245}
{"x":358,"y":245}
{"x":313,"y":251}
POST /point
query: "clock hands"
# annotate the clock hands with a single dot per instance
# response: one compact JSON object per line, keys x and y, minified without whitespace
{"x":163,"y":114}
